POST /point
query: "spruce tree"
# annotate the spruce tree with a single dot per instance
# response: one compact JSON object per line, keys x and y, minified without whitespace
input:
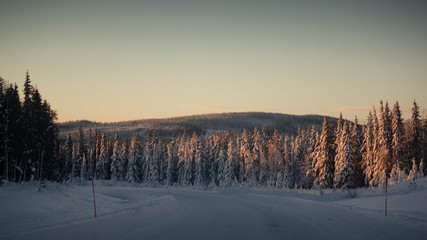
{"x":414,"y":136}
{"x":368,"y":156}
{"x":28,"y":128}
{"x":153,"y":159}
{"x":286,"y":181}
{"x":135,"y":160}
{"x":245,"y":155}
{"x":253,"y":163}
{"x":399,"y":161}
{"x":68,"y":152}
{"x":102,"y":165}
{"x":91,"y":156}
{"x":201,"y":168}
{"x":172,"y":174}
{"x":324,"y":155}
{"x":344,"y":176}
{"x":383,"y":159}
{"x":80,"y":152}
{"x":10,"y":131}
{"x":357,"y":139}
{"x":117,"y":161}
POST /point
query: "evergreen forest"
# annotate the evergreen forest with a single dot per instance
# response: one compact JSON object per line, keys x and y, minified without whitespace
{"x":341,"y":155}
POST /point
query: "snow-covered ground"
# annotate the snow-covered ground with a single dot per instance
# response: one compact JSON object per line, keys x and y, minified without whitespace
{"x":66,"y":212}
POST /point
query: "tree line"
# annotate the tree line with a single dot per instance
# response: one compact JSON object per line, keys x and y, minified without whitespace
{"x":343,"y":155}
{"x":28,"y":134}
{"x":340,"y":155}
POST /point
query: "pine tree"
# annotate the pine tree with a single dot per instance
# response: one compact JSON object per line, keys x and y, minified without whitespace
{"x":297,"y":171}
{"x":125,"y":159}
{"x":344,"y":176}
{"x":172,"y":174}
{"x":10,"y":131}
{"x":117,"y":161}
{"x":368,"y":156}
{"x":91,"y":156}
{"x":153,"y":159}
{"x":28,"y":128}
{"x":275,"y":156}
{"x":103,"y":161}
{"x":413,"y":136}
{"x":245,"y":155}
{"x":68,"y":167}
{"x":224,"y":170}
{"x":135,"y":160}
{"x":97,"y":154}
{"x":253,"y":163}
{"x":308,"y":162}
{"x":213,"y":160}
{"x":324,"y":155}
{"x":27,"y":134}
{"x":399,"y":161}
{"x":286,"y":181}
{"x":83,"y":170}
{"x":80,"y":152}
{"x":202,"y":167}
{"x":182,"y":156}
{"x":189,"y":162}
{"x":357,"y":139}
{"x":382,"y":166}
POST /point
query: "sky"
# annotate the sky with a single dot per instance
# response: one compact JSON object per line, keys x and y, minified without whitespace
{"x":125,"y":60}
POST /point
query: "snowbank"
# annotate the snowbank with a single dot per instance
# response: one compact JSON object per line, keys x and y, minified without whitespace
{"x":24,"y":209}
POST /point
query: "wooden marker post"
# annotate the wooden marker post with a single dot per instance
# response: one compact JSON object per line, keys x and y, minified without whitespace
{"x":93,"y":190}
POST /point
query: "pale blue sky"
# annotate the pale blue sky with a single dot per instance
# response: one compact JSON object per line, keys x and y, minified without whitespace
{"x":123,"y":60}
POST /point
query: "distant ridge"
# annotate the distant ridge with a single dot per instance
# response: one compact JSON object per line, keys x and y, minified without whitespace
{"x":286,"y":124}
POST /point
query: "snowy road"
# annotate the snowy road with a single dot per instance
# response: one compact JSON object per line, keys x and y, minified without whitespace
{"x":188,"y":214}
{"x":253,"y":216}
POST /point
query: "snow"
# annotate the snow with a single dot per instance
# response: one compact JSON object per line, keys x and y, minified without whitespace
{"x":63,"y":211}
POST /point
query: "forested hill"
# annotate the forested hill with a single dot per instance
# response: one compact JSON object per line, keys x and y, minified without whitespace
{"x":286,"y":124}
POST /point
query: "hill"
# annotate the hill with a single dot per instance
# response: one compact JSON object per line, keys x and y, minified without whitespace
{"x":286,"y":124}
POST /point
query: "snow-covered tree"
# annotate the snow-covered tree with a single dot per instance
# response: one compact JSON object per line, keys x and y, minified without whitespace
{"x":368,"y":155}
{"x":275,"y":158}
{"x":133,"y":174}
{"x":382,"y":166}
{"x":399,"y":160}
{"x":172,"y":172}
{"x":285,"y":180}
{"x":153,"y":159}
{"x":68,"y":166}
{"x":414,"y":136}
{"x":245,"y":154}
{"x":103,"y":166}
{"x":297,"y":170}
{"x":357,"y":139}
{"x":202,"y":167}
{"x":324,"y":155}
{"x":80,"y":152}
{"x":253,"y":160}
{"x":344,"y":176}
{"x":117,"y":161}
{"x":125,"y":158}
{"x":224,"y":170}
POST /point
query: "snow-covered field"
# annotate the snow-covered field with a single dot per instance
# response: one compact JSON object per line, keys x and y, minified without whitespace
{"x":66,"y":212}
